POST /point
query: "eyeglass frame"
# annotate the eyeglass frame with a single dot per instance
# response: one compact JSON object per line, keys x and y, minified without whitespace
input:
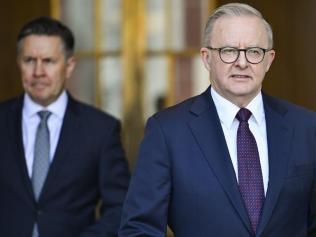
{"x":239,"y":50}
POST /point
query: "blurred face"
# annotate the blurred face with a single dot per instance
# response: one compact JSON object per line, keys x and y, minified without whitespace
{"x":241,"y":81}
{"x":44,"y":68}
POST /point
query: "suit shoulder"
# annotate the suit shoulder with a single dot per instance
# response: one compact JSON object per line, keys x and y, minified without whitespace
{"x":176,"y":112}
{"x":9,"y":103}
{"x":94,"y":115}
{"x":292,"y":109}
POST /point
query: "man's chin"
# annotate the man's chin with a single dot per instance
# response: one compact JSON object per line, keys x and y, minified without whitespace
{"x":244,"y":91}
{"x":41,"y":99}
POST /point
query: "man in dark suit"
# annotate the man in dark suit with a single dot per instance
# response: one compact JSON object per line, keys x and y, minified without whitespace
{"x":233,"y":161}
{"x":55,"y":171}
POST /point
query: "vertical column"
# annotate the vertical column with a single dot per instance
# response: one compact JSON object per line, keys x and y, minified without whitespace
{"x":55,"y":8}
{"x":133,"y":65}
{"x":97,"y":51}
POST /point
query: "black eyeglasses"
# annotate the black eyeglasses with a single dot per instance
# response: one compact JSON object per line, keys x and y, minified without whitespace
{"x":254,"y":55}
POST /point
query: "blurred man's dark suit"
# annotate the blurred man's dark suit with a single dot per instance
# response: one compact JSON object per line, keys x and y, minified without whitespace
{"x":89,"y":163}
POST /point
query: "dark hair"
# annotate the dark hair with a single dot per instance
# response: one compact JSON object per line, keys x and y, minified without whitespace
{"x":48,"y":26}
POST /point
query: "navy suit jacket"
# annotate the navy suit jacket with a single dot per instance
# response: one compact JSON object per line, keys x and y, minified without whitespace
{"x":184,"y":176}
{"x":89,"y":165}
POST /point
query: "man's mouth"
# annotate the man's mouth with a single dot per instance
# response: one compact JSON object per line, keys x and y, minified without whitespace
{"x":241,"y":76}
{"x":39,"y":85}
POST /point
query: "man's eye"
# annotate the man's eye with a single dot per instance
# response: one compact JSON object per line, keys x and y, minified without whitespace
{"x":48,"y":60}
{"x":29,"y":60}
{"x":229,"y":51}
{"x":254,"y":51}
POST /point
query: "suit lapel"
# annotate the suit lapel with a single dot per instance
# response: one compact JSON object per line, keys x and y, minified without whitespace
{"x":15,"y":135}
{"x":279,"y":135}
{"x":66,"y":141}
{"x":207,"y":130}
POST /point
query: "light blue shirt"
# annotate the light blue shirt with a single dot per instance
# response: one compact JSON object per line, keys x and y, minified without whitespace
{"x":30,"y":121}
{"x":257,"y":124}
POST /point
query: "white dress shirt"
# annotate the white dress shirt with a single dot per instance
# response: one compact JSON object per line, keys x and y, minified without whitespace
{"x":227,"y":114}
{"x":30,"y":121}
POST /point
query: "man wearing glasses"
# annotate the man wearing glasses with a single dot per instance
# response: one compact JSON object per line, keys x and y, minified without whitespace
{"x":233,"y":161}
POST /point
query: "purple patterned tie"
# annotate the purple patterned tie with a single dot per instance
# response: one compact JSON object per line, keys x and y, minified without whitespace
{"x":249,"y":169}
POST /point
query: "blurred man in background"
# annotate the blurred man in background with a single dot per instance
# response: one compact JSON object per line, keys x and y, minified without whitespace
{"x":59,"y":157}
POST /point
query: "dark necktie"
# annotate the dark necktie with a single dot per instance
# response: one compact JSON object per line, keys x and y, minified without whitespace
{"x":249,"y":169}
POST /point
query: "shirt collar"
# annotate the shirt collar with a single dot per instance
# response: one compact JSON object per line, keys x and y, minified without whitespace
{"x":58,"y":107}
{"x":257,"y":109}
{"x":227,"y":110}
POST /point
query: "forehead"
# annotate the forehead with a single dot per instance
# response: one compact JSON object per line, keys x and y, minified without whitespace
{"x":239,"y":31}
{"x":41,"y":44}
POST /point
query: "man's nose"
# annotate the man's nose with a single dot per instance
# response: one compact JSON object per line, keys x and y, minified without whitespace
{"x":242,"y":60}
{"x":38,"y":70}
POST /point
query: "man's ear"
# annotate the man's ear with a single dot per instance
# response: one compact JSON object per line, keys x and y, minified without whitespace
{"x":270,"y":57}
{"x":205,"y":56}
{"x":70,"y":66}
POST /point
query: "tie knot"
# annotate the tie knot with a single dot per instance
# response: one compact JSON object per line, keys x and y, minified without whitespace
{"x":44,"y":114}
{"x":243,"y":115}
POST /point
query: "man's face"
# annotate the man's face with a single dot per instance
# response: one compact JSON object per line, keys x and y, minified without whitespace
{"x":241,"y":81}
{"x":44,"y":68}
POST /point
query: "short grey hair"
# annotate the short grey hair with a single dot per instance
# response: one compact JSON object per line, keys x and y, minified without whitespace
{"x":234,"y":9}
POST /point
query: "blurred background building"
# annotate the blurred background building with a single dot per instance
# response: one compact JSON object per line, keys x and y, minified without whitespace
{"x":136,"y":57}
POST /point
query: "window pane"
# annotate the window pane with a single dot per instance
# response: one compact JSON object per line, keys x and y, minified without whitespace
{"x":200,"y":76}
{"x":177,"y":29}
{"x":111,"y":85}
{"x":176,"y":24}
{"x":193,"y":22}
{"x":191,"y":77}
{"x":183,"y":78}
{"x":156,"y":24}
{"x":155,"y":84}
{"x":82,"y":84}
{"x":78,"y":15}
{"x":111,"y":24}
